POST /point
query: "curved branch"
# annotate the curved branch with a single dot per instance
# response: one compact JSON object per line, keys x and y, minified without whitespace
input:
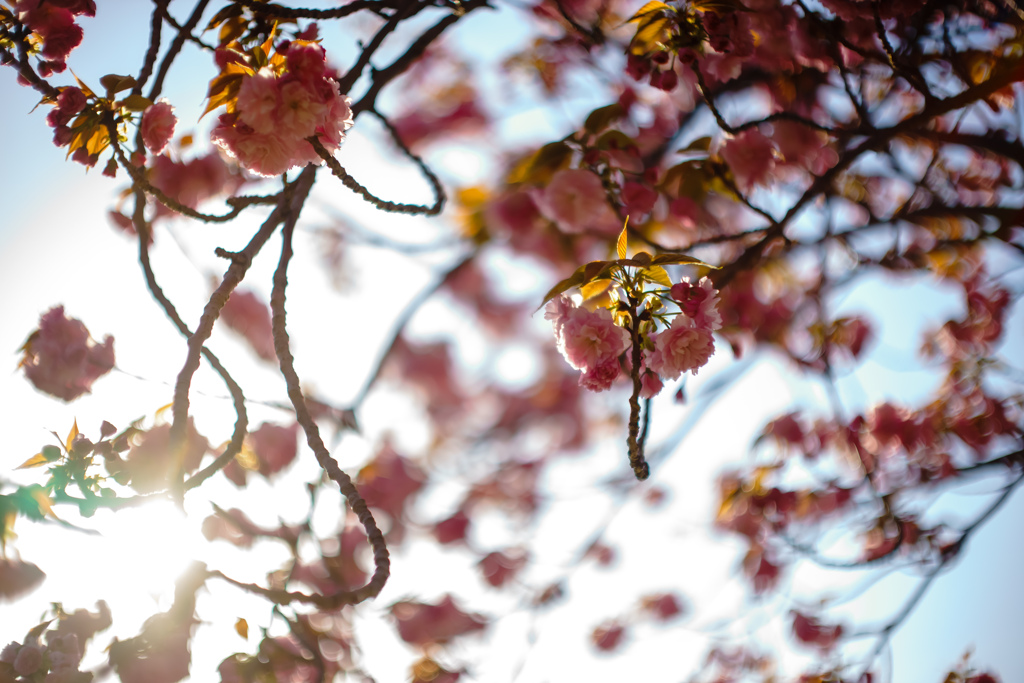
{"x":384,"y":205}
{"x":381,"y":559}
{"x":237,"y":204}
{"x":238,"y":398}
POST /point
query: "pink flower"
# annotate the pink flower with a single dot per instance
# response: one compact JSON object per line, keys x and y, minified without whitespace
{"x":751,"y":157}
{"x":275,"y":114}
{"x":152,"y":466}
{"x":699,"y":302}
{"x":602,"y":376}
{"x":249,"y":316}
{"x":307,"y":61}
{"x":61,"y":359}
{"x":157,"y":126}
{"x":576,"y":201}
{"x":258,"y":101}
{"x":299,"y":112}
{"x":275,"y":446}
{"x":650,"y":384}
{"x":423,"y":624}
{"x":29,"y":658}
{"x":589,"y":340}
{"x":682,"y":347}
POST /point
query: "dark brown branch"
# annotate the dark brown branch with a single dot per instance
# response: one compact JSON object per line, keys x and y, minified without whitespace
{"x":172,"y":52}
{"x":394,"y":207}
{"x":156,"y":24}
{"x":382,"y":77}
{"x":346,"y":82}
{"x":381,"y":560}
{"x":234,"y":274}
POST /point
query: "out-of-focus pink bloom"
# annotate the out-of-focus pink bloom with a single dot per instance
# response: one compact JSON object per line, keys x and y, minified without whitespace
{"x":608,"y":637}
{"x":699,"y":302}
{"x":248,"y":315}
{"x":16,"y":579}
{"x":30,"y":656}
{"x":151,"y":465}
{"x":589,"y":340}
{"x":751,"y":156}
{"x":387,"y":481}
{"x":498,"y":568}
{"x":638,"y":198}
{"x":811,"y":631}
{"x":422,"y":624}
{"x":61,"y":359}
{"x":158,"y":122}
{"x":804,"y":146}
{"x":663,"y":606}
{"x":192,"y":182}
{"x":453,"y":529}
{"x":575,"y":200}
{"x":680,"y":348}
{"x":275,"y":446}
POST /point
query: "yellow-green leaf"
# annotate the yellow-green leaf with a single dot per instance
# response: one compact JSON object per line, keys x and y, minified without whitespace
{"x":601,"y":118}
{"x":36,"y":460}
{"x":44,"y":501}
{"x":596,"y":288}
{"x":669,"y":259}
{"x":657,"y":274}
{"x":242,"y":628}
{"x":539,"y":167}
{"x":647,"y":10}
{"x":71,"y":436}
{"x":136,"y":103}
{"x":620,"y":245}
{"x":595,"y":270}
{"x":698,"y":145}
{"x":115,"y":83}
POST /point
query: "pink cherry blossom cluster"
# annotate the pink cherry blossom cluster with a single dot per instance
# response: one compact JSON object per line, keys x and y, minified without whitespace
{"x":275,"y":113}
{"x":591,"y":341}
{"x":54,"y":22}
{"x":61,"y":359}
{"x":157,"y":125}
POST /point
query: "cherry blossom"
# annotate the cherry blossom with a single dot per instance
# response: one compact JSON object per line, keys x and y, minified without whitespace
{"x":751,"y":156}
{"x":274,"y":113}
{"x":157,"y":126}
{"x":575,"y":200}
{"x":61,"y":359}
{"x":589,"y":340}
{"x":699,"y":302}
{"x":683,"y":347}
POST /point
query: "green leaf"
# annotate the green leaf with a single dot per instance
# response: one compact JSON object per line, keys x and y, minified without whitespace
{"x":115,"y":84}
{"x":136,"y":103}
{"x":539,"y":167}
{"x":669,"y":259}
{"x":586,"y":273}
{"x":656,"y":274}
{"x":601,"y":118}
{"x":615,"y":139}
{"x":698,"y":145}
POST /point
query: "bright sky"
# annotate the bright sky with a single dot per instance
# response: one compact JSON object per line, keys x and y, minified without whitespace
{"x":56,"y":247}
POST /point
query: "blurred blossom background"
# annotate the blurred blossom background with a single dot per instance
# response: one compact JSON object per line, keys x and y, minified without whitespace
{"x":647,"y":557}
